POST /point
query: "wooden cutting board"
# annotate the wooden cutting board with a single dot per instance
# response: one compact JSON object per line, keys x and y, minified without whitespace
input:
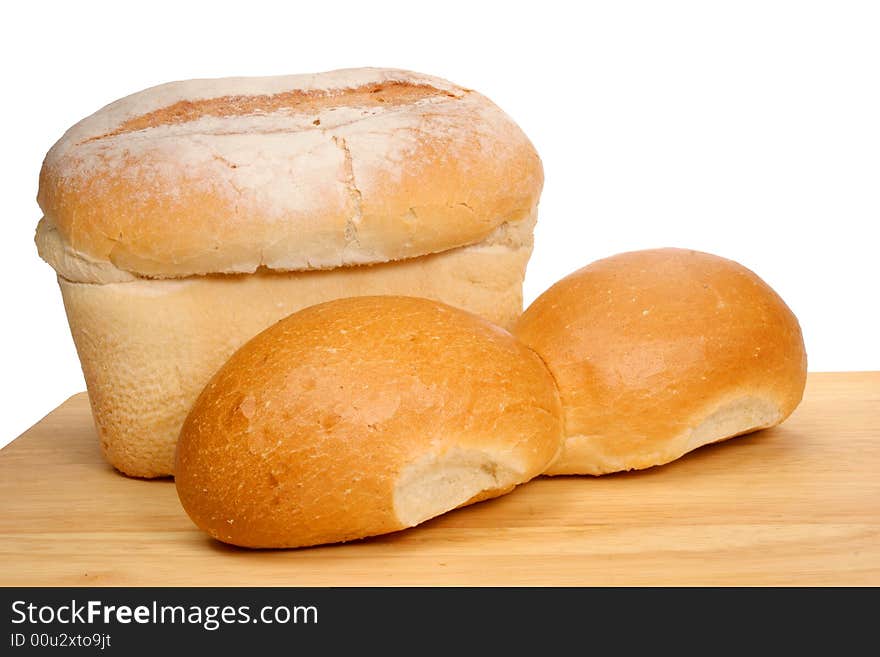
{"x":798,"y":504}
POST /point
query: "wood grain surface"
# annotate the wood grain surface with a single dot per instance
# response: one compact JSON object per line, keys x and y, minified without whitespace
{"x":798,"y":504}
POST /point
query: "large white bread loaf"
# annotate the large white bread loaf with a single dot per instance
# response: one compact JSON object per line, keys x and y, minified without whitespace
{"x":185,"y":218}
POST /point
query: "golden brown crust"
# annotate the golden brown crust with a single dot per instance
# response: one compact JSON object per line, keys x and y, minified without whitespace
{"x":307,"y":434}
{"x":388,"y":94}
{"x":296,"y":173}
{"x":657,"y":352}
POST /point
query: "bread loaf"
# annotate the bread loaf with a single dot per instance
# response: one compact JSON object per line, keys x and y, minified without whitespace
{"x":184,"y":219}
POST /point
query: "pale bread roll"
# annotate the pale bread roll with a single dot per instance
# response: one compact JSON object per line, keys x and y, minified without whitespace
{"x":658,"y":352}
{"x":185,"y":218}
{"x":363,"y":416}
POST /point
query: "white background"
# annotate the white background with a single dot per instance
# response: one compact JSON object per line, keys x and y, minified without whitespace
{"x":747,"y":129}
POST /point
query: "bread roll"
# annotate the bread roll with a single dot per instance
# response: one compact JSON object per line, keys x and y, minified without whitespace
{"x":658,"y":352}
{"x":184,"y":219}
{"x":363,"y":416}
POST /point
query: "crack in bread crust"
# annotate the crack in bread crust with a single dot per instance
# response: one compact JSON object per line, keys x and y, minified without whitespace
{"x":386,"y":94}
{"x":357,"y":199}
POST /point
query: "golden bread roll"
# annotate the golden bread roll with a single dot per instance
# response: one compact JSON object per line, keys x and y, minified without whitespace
{"x":363,"y":416}
{"x":658,"y":352}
